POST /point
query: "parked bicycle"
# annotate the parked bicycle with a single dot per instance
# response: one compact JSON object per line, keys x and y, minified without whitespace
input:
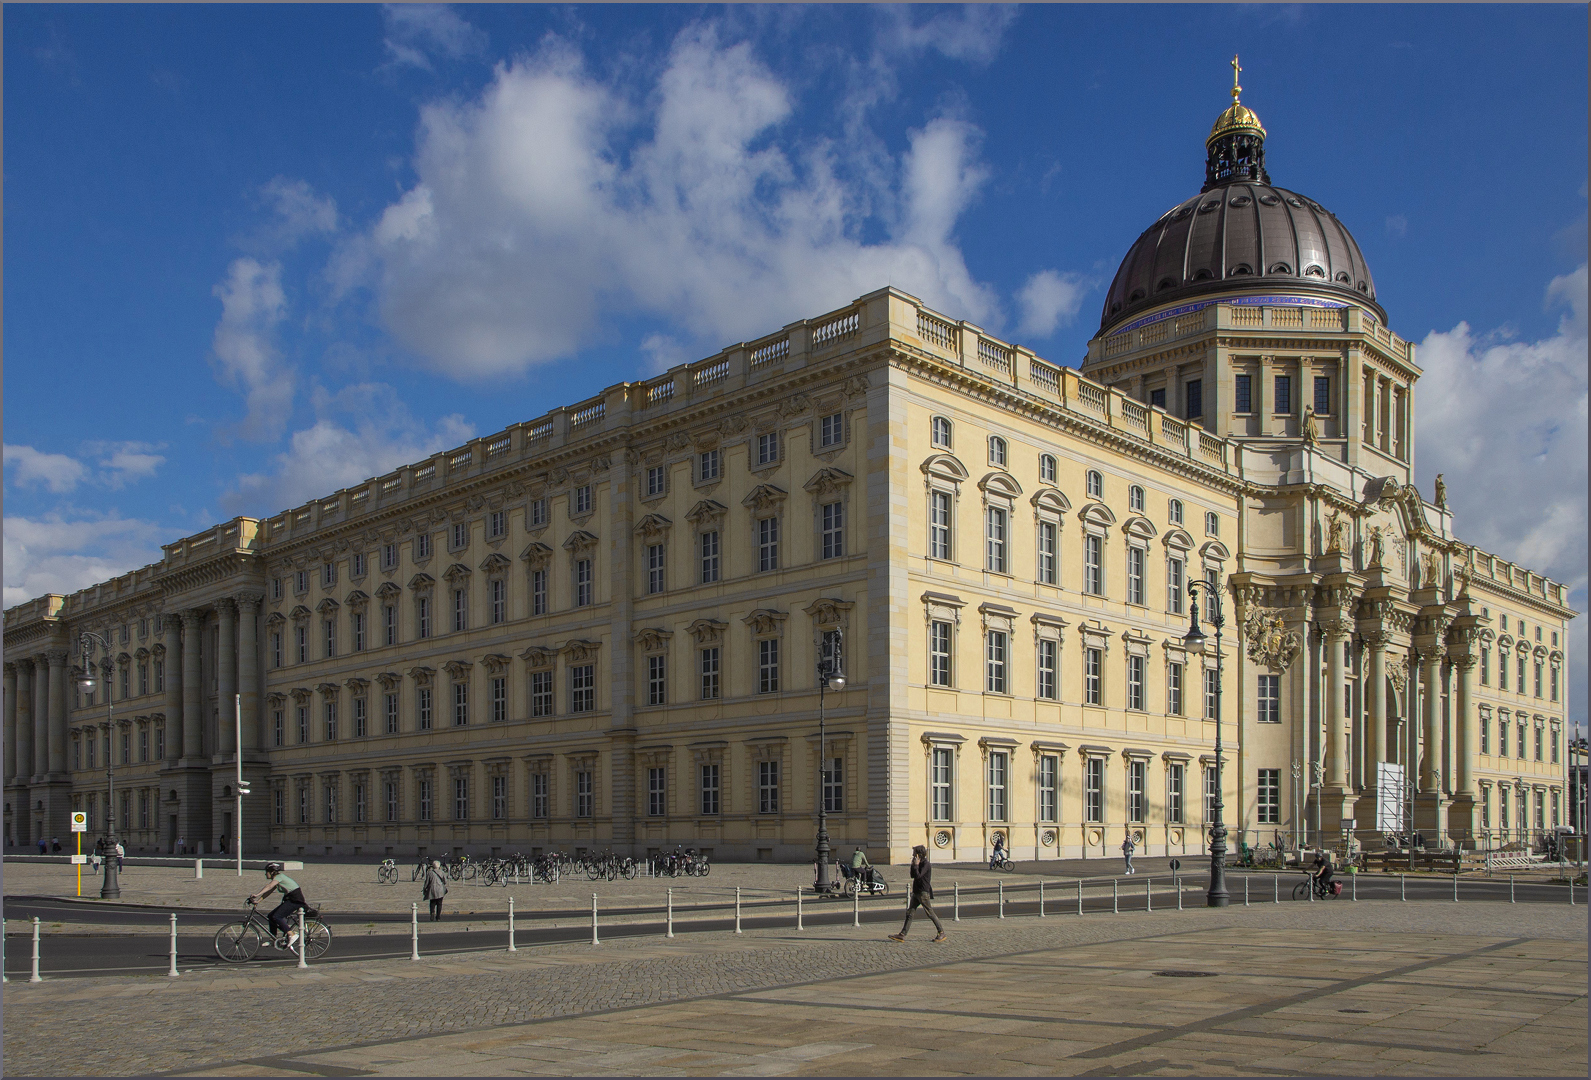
{"x":387,"y":872}
{"x":239,"y":942}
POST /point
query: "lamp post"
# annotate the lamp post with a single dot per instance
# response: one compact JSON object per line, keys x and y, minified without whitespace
{"x":830,"y":673}
{"x":110,"y":889}
{"x":1194,"y":638}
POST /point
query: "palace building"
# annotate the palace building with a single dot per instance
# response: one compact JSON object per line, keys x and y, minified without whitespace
{"x":600,"y":628}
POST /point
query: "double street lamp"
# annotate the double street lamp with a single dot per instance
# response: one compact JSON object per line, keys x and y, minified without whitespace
{"x":1194,"y":639}
{"x":831,"y":674}
{"x":109,"y":889}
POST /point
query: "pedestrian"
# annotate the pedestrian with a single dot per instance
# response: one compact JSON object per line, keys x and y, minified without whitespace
{"x":435,"y":888}
{"x":180,"y":849}
{"x":922,"y":893}
{"x":1127,"y":848}
{"x":43,"y":847}
{"x":121,"y":853}
{"x":55,"y":844}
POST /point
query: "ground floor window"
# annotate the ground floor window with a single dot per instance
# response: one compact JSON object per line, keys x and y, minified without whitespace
{"x":1269,"y":797}
{"x":1094,"y":789}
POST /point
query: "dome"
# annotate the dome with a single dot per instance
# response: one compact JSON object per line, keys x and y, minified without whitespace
{"x":1239,"y":234}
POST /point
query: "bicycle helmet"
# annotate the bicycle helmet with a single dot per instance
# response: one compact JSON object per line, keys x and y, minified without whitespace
{"x":274,"y":868}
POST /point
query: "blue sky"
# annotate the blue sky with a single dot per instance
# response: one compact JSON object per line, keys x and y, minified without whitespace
{"x":254,"y":254}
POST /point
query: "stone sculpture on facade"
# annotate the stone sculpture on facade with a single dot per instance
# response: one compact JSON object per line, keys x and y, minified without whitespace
{"x":1269,"y":641}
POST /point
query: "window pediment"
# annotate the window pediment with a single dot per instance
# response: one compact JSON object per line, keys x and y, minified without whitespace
{"x":706,"y":512}
{"x":1000,"y":485}
{"x":580,"y":650}
{"x":537,"y":555}
{"x":653,"y":526}
{"x":495,"y":663}
{"x":389,"y":680}
{"x":422,"y":676}
{"x":764,"y":499}
{"x":1215,"y":551}
{"x":357,"y":599}
{"x":275,"y":618}
{"x":495,"y":564}
{"x":828,"y":611}
{"x":1177,"y":540}
{"x":422,"y":581}
{"x":945,"y":467}
{"x":707,"y":631}
{"x":359,"y":686}
{"x":580,"y":542}
{"x":653,"y":638}
{"x":765,"y":622}
{"x":1050,"y":500}
{"x":387,"y":590}
{"x":1139,"y":527}
{"x":539,"y":657}
{"x":327,"y":606}
{"x":458,"y":669}
{"x":1097,"y":516}
{"x":827,"y":482}
{"x":299,"y":613}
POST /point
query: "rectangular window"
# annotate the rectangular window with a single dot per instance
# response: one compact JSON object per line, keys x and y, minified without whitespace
{"x":425,"y":799}
{"x":160,"y":667}
{"x":939,"y":525}
{"x":499,"y":797}
{"x":357,"y":620}
{"x":1157,"y":398}
{"x":1270,"y":699}
{"x":1537,"y":681}
{"x":497,"y":591}
{"x":939,"y":653}
{"x":709,"y":466}
{"x":1554,"y":683}
{"x":422,"y":709}
{"x":767,"y":787}
{"x":359,"y":803}
{"x":461,"y":535}
{"x":276,"y":588}
{"x":389,"y":624}
{"x":709,"y":789}
{"x":939,"y":783}
{"x":499,"y":689}
{"x":1049,"y":669}
{"x":654,"y":568}
{"x":768,"y":666}
{"x":1520,"y":685}
{"x":1209,"y":693}
{"x":361,"y":717}
{"x":143,"y":744}
{"x":833,"y":786}
{"x":540,"y":798}
{"x":1284,"y":394}
{"x":1269,"y":794}
{"x":301,"y":636}
{"x":461,"y":611}
{"x":461,"y":798}
{"x":1209,"y":792}
{"x":768,"y":448}
{"x":1174,"y":689}
{"x":582,"y":500}
{"x":1322,"y":395}
{"x":833,"y":546}
{"x":995,"y":533}
{"x":538,"y":513}
{"x":1243,"y":393}
{"x":389,"y":708}
{"x":1093,"y":565}
{"x":1502,"y":807}
{"x":1094,"y":789}
{"x":1486,"y":807}
{"x":389,"y":556}
{"x":1486,"y":666}
{"x":656,"y":792}
{"x":1137,"y":797}
{"x":585,"y":795}
{"x":997,"y":781}
{"x":497,"y":524}
{"x":423,"y":611}
{"x":1486,"y":733}
{"x":583,"y":583}
{"x":1539,"y":740}
{"x":422,"y":546}
{"x":303,"y":724}
{"x":709,"y":544}
{"x":1556,"y":808}
{"x":1136,"y":557}
{"x":301,"y":581}
{"x":656,"y":481}
{"x":538,"y":592}
{"x":583,"y":688}
{"x":329,"y":628}
{"x":995,"y":682}
{"x":303,"y":804}
{"x":710,"y":674}
{"x":1541,"y":809}
{"x":1502,"y":734}
{"x":328,"y":575}
{"x":1194,"y":395}
{"x":1174,"y":782}
{"x":831,"y":430}
{"x":278,"y":734}
{"x":1093,"y":676}
{"x":279,"y":799}
{"x":767,"y":544}
{"x":1502,"y":669}
{"x":1520,"y":726}
{"x":657,"y":680}
{"x":1049,"y":788}
{"x":540,"y":693}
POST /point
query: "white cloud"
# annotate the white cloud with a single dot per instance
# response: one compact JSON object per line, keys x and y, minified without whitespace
{"x":61,"y":554}
{"x":973,"y":33}
{"x":246,"y":358}
{"x":299,"y":212}
{"x":535,"y":215}
{"x":416,"y":32}
{"x":1049,"y":300}
{"x":360,"y":432}
{"x":30,"y":467}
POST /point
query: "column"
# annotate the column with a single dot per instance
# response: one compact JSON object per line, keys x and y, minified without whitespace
{"x":1336,"y":733}
{"x":57,"y":719}
{"x":1464,"y":731}
{"x":1431,"y":720}
{"x":10,"y":723}
{"x":24,"y":720}
{"x":192,"y":698}
{"x":249,"y":667}
{"x":1375,"y":692}
{"x":174,"y":665}
{"x":41,"y":718}
{"x":226,"y":672}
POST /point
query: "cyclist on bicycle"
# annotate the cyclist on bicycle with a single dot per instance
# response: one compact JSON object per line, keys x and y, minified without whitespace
{"x":292,"y":901}
{"x":998,"y":855}
{"x":1320,"y":870}
{"x":859,"y":864}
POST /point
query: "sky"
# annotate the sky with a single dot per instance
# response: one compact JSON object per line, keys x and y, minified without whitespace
{"x":258,"y":253}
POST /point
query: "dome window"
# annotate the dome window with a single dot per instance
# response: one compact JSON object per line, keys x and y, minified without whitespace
{"x":1137,"y":295}
{"x":1211,"y":205}
{"x":1270,"y":200}
{"x":1115,"y":307}
{"x":1241,"y":269}
{"x":1166,"y":283}
{"x":1281,"y":268}
{"x":1295,"y":202}
{"x":1182,"y":213}
{"x":1314,"y":271}
{"x":1241,"y":200}
{"x":1363,"y":287}
{"x":1342,"y":276}
{"x":1200,"y":275}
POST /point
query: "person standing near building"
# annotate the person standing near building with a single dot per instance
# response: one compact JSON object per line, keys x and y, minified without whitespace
{"x":180,"y":849}
{"x":121,"y":853}
{"x":434,"y":889}
{"x":43,"y":846}
{"x":922,"y":894}
{"x":1127,"y":848}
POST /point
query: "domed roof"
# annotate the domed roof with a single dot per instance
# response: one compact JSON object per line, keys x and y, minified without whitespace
{"x":1239,"y":234}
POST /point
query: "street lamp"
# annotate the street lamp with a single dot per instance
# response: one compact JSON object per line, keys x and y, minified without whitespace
{"x":109,"y":889}
{"x":1194,"y":639}
{"x":831,"y":673}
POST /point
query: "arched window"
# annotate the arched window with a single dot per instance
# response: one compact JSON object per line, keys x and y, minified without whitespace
{"x":1047,"y":471}
{"x":1174,"y":511}
{"x":1135,"y":498}
{"x":941,"y":432}
{"x":1096,"y":485}
{"x":1212,"y":524}
{"x":996,"y":451}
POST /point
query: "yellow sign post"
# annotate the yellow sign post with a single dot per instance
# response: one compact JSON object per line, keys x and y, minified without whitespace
{"x":79,"y":826}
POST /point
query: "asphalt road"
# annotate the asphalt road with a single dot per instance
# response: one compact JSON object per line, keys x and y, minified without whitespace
{"x":103,"y":954}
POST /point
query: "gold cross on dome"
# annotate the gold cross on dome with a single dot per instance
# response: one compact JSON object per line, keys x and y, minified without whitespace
{"x":1236,"y":89}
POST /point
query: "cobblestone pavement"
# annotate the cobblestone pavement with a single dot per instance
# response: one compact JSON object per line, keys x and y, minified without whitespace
{"x":1479,"y":989}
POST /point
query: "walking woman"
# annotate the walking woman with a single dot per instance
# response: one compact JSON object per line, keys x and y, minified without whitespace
{"x":922,"y":893}
{"x":435,"y":888}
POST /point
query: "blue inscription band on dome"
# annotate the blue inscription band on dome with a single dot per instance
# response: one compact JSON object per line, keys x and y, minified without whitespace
{"x":1187,"y":309}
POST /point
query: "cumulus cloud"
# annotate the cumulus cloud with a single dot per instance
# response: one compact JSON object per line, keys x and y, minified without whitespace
{"x":1047,"y":301}
{"x":35,"y":468}
{"x":416,"y":32}
{"x":64,"y":552}
{"x":116,"y":464}
{"x":297,"y":212}
{"x":973,"y":33}
{"x":359,"y":432}
{"x":537,"y":211}
{"x":246,"y":357}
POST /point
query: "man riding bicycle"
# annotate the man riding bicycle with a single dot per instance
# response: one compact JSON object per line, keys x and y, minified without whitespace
{"x":998,"y":855}
{"x":292,"y":901}
{"x":1320,"y":870}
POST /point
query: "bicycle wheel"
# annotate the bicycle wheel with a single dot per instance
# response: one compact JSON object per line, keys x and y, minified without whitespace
{"x":237,"y":942}
{"x":629,"y":869}
{"x":317,"y":939}
{"x":1301,"y":891}
{"x":388,"y":875}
